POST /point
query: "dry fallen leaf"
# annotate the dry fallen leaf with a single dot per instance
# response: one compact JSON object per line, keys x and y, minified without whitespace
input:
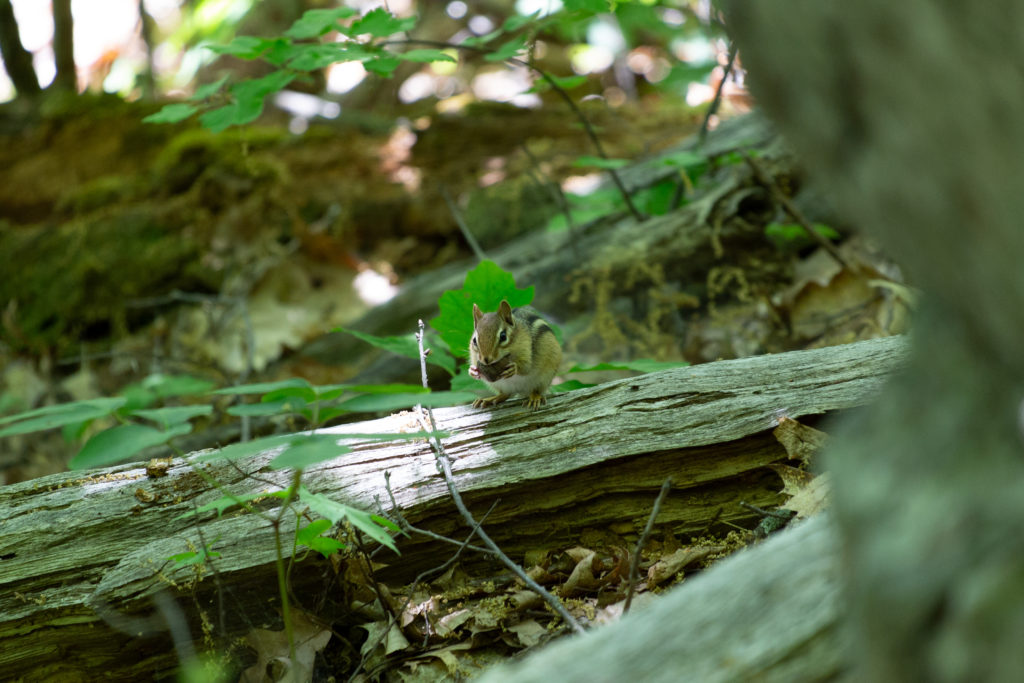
{"x":793,"y":479}
{"x":529,"y":632}
{"x":272,"y":651}
{"x":800,"y":441}
{"x":812,"y":498}
{"x":670,"y":565}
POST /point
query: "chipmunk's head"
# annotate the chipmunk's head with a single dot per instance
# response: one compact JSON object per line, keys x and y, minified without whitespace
{"x":492,"y":333}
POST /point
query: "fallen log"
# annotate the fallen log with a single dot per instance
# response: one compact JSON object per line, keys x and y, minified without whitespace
{"x":79,"y":542}
{"x":769,"y":613}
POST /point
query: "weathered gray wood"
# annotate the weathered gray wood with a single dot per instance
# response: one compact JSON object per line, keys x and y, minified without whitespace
{"x":907,"y":114}
{"x":75,"y":540}
{"x":769,"y":613}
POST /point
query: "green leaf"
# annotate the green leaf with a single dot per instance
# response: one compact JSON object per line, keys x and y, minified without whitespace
{"x":282,"y":407}
{"x":265,"y":387}
{"x":685,"y":159}
{"x":563,"y":82}
{"x":121,"y":443}
{"x":221,"y":118}
{"x":380,"y":23}
{"x":371,"y":525}
{"x":382,"y":66}
{"x":486,"y":285}
{"x":317,"y":56}
{"x":208,"y":90}
{"x":329,"y":391}
{"x":682,"y":74}
{"x":307,"y":450}
{"x":371,"y":403}
{"x":388,"y":389}
{"x":304,"y":394}
{"x":517,"y":21}
{"x":280,"y":52}
{"x":599,"y":162}
{"x":637,"y":365}
{"x":189,"y":558}
{"x":172,"y":113}
{"x":316,"y":22}
{"x":312,"y":530}
{"x":255,"y":89}
{"x":463,"y":382}
{"x":793,"y":235}
{"x":590,"y":6}
{"x":426,"y":56}
{"x":165,"y":386}
{"x":173,"y":415}
{"x":244,"y":47}
{"x":248,"y":104}
{"x":326,"y":545}
{"x":657,"y":199}
{"x":229,"y":501}
{"x":474,"y":41}
{"x":311,"y":537}
{"x":507,"y":50}
{"x":59,"y":415}
{"x":109,"y":405}
{"x":405,"y":345}
{"x":247,"y":448}
{"x":328,"y":413}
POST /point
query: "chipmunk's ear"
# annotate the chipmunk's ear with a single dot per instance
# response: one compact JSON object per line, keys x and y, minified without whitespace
{"x":505,"y":311}
{"x":477,"y":314}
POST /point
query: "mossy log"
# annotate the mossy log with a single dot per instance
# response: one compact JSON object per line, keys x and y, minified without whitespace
{"x":80,"y":548}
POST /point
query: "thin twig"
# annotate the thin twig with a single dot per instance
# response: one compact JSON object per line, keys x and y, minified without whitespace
{"x":221,"y":612}
{"x":711,"y":522}
{"x":587,"y":127}
{"x":784,"y":516}
{"x":445,"y":466}
{"x":791,"y":208}
{"x":457,"y":215}
{"x":539,"y":177}
{"x":713,"y":108}
{"x":415,"y":582}
{"x":634,"y":565}
{"x":407,"y":527}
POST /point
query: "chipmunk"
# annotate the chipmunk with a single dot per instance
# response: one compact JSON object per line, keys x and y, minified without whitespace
{"x":513,"y":352}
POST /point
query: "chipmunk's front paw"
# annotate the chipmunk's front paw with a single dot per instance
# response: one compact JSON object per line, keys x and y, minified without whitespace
{"x":474,"y":372}
{"x":489,"y":401}
{"x":535,"y":400}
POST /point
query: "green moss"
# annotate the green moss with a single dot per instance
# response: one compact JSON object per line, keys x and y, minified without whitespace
{"x":505,"y":210}
{"x":191,"y":153}
{"x":101,"y":192}
{"x":75,"y":281}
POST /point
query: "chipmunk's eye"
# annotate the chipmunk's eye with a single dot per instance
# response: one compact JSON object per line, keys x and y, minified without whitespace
{"x":503,"y":337}
{"x":474,"y":340}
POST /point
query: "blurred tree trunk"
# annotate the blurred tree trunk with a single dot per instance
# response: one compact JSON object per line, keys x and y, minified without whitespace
{"x":17,"y":60}
{"x":64,"y":46}
{"x":911,"y":112}
{"x":146,"y":78}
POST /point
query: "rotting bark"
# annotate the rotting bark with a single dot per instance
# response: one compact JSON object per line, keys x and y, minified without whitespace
{"x":770,"y":613}
{"x":614,"y":249}
{"x":78,"y":540}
